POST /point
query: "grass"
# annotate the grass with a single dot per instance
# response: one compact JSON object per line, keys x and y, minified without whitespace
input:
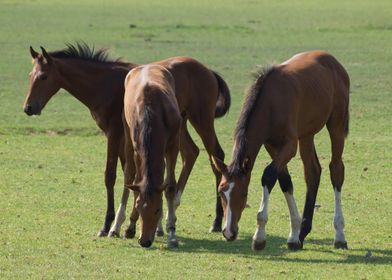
{"x":51,"y":167}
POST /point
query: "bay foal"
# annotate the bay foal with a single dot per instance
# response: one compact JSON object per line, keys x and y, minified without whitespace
{"x":152,"y":124}
{"x":287,"y":104}
{"x":98,"y":82}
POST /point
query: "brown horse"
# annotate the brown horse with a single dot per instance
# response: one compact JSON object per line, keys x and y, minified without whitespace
{"x":287,"y":104}
{"x":152,"y":124}
{"x":98,"y":82}
{"x":202,"y":95}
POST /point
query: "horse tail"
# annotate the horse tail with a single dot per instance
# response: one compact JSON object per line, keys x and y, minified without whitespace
{"x":224,"y":100}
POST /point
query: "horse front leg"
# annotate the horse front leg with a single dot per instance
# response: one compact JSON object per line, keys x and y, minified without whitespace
{"x":110,"y":179}
{"x":120,"y":215}
{"x":268,"y":180}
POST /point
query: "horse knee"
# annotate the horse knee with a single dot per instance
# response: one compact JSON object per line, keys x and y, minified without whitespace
{"x":270,"y":175}
{"x":170,"y":191}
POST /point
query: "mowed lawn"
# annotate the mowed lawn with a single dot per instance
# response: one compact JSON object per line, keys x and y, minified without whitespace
{"x":52,"y":196}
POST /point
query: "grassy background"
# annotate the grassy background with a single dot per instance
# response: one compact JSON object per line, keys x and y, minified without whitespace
{"x":51,"y":167}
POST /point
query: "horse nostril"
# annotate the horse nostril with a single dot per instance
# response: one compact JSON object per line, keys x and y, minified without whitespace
{"x":28,"y":110}
{"x":145,"y":244}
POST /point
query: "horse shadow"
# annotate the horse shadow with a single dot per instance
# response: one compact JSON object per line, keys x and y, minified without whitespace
{"x":277,"y":250}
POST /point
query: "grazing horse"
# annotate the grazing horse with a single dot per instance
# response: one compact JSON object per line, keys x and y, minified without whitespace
{"x":98,"y":82}
{"x":152,"y":124}
{"x":287,"y":104}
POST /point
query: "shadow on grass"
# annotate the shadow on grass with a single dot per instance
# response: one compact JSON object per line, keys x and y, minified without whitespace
{"x":277,"y":250}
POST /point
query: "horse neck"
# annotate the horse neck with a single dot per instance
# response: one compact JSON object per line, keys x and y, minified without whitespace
{"x":253,"y":137}
{"x":86,"y":80}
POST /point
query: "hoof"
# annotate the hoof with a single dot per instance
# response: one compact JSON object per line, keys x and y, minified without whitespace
{"x":340,"y":245}
{"x":294,"y":246}
{"x":129,"y":233}
{"x":172,"y":243}
{"x":114,"y":234}
{"x":160,"y":233}
{"x":258,"y":245}
{"x":102,"y":233}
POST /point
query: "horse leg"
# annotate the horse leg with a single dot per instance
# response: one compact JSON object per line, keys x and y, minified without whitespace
{"x":286,"y":185}
{"x":170,"y":192}
{"x":336,"y":168}
{"x":110,"y":179}
{"x":189,"y":153}
{"x":120,"y":214}
{"x":130,"y":232}
{"x":129,"y":177}
{"x":312,"y":170}
{"x":268,"y":180}
{"x":205,"y":128}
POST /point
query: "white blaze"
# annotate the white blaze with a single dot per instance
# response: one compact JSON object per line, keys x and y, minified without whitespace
{"x":227,"y":226}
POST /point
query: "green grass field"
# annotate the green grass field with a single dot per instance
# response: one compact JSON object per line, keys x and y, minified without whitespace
{"x":51,"y":167}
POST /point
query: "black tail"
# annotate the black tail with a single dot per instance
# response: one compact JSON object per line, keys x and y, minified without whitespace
{"x":224,"y":99}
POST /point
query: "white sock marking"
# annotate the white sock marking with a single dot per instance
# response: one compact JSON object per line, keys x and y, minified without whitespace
{"x":338,"y":220}
{"x":119,"y":220}
{"x":262,"y":217}
{"x":295,"y":218}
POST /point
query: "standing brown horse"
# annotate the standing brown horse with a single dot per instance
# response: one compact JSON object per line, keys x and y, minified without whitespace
{"x":287,"y":104}
{"x":152,"y":124}
{"x":98,"y":83}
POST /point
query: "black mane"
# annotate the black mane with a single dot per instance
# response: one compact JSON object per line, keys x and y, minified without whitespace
{"x":242,"y":125}
{"x":82,"y":51}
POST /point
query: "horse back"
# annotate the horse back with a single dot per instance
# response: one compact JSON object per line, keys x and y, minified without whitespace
{"x":151,"y":88}
{"x":307,"y":89}
{"x":195,"y":84}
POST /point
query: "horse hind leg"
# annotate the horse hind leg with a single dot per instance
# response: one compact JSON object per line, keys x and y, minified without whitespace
{"x":312,"y":177}
{"x":170,"y":192}
{"x":336,"y":167}
{"x":189,"y":153}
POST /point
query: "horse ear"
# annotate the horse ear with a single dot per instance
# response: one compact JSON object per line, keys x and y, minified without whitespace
{"x":33,"y":53}
{"x":246,"y":165}
{"x":133,"y":187}
{"x":47,"y":57}
{"x":220,"y":166}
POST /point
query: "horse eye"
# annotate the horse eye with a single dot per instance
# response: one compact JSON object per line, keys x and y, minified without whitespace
{"x":43,"y":77}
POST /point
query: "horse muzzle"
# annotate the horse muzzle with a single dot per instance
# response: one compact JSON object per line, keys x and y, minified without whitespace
{"x":230,"y":234}
{"x":32,"y":110}
{"x":145,"y":243}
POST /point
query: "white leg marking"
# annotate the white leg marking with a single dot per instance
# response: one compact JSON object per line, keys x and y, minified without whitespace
{"x":338,"y":220}
{"x":262,"y":217}
{"x":227,"y":226}
{"x":119,"y":220}
{"x":171,"y":222}
{"x":295,"y":218}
